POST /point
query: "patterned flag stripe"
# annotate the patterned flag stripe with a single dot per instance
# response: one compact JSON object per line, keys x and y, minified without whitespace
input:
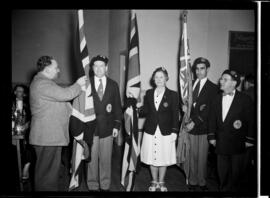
{"x":132,"y":149}
{"x":134,"y":82}
{"x":82,"y":120}
{"x":185,"y":81}
{"x":184,"y":64}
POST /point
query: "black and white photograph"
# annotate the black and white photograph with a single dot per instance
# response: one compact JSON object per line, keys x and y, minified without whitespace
{"x":157,"y":101}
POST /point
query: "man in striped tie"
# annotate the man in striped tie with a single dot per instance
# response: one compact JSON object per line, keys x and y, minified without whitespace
{"x":108,"y":110}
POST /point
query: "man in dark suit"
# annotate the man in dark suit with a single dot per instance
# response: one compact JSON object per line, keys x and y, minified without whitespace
{"x":108,"y":111}
{"x":203,"y":92}
{"x":231,"y":130}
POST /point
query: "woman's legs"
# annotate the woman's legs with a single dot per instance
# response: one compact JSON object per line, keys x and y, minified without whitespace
{"x":161,"y":173}
{"x":154,"y":183}
{"x":154,"y":172}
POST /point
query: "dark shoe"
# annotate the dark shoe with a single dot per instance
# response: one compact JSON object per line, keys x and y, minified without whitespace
{"x":105,"y":190}
{"x":192,"y":187}
{"x":204,"y":188}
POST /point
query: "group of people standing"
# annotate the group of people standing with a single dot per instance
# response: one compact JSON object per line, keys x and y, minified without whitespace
{"x":221,"y":118}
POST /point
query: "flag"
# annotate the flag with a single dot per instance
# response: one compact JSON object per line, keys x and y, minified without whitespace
{"x":185,"y":82}
{"x":132,"y":145}
{"x":83,"y":118}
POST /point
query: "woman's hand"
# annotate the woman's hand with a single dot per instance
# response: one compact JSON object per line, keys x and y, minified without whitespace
{"x":173,"y":137}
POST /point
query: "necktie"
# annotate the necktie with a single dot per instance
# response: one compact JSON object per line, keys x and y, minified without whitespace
{"x":196,"y":91}
{"x":100,"y":89}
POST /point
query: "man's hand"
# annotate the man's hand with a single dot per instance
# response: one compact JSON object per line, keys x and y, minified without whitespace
{"x":139,"y":104}
{"x":81,"y":81}
{"x":174,"y":136}
{"x":184,"y":108}
{"x":248,"y":144}
{"x":115,"y":132}
{"x":25,"y":126}
{"x":213,"y":142}
{"x":190,"y":126}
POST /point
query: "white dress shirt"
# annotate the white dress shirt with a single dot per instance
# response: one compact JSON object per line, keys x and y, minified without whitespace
{"x":104,"y":81}
{"x":158,"y":98}
{"x":203,"y":81}
{"x":226,"y":104}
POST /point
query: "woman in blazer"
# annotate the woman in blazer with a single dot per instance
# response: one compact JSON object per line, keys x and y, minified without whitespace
{"x":161,"y":110}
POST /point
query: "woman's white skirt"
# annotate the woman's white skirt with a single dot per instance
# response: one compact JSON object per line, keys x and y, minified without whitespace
{"x":158,"y":150}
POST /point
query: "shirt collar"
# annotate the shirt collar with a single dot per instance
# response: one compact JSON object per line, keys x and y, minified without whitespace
{"x":203,"y":81}
{"x":103,"y":79}
{"x":229,"y":94}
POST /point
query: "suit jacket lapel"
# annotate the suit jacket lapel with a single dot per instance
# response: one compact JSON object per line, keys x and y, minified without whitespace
{"x":219,"y":110}
{"x":202,"y":92}
{"x":152,"y":102}
{"x":94,"y":92}
{"x":105,"y":95}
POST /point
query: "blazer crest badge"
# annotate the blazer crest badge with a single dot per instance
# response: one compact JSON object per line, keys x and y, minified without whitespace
{"x":109,"y":108}
{"x":237,"y":124}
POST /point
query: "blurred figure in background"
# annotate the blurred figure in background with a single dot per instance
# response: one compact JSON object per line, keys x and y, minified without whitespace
{"x":249,"y":86}
{"x":250,"y":158}
{"x":20,"y":125}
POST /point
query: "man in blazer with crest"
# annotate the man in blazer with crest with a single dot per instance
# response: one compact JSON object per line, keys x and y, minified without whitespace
{"x":231,"y":130}
{"x":108,"y":111}
{"x":203,"y":92}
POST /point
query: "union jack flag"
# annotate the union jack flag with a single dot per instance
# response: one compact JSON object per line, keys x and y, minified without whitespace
{"x":185,"y":82}
{"x":132,"y":145}
{"x":83,"y":119}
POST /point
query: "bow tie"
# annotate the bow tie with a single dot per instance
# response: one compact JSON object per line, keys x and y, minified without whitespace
{"x":228,"y":94}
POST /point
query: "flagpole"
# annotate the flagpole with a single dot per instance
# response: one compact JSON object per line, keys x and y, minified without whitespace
{"x":133,"y":87}
{"x":185,"y":80}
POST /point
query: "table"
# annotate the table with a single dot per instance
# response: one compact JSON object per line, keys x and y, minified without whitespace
{"x":17,"y":139}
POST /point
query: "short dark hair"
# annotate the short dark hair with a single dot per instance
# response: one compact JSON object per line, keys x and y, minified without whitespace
{"x":43,"y":62}
{"x":25,"y":90}
{"x":19,"y":85}
{"x":201,"y":60}
{"x":159,"y":69}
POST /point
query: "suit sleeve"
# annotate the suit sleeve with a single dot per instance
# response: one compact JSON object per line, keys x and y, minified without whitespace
{"x":249,"y":113}
{"x":175,"y":113}
{"x":212,"y":121}
{"x":53,"y":92}
{"x":118,"y":108}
